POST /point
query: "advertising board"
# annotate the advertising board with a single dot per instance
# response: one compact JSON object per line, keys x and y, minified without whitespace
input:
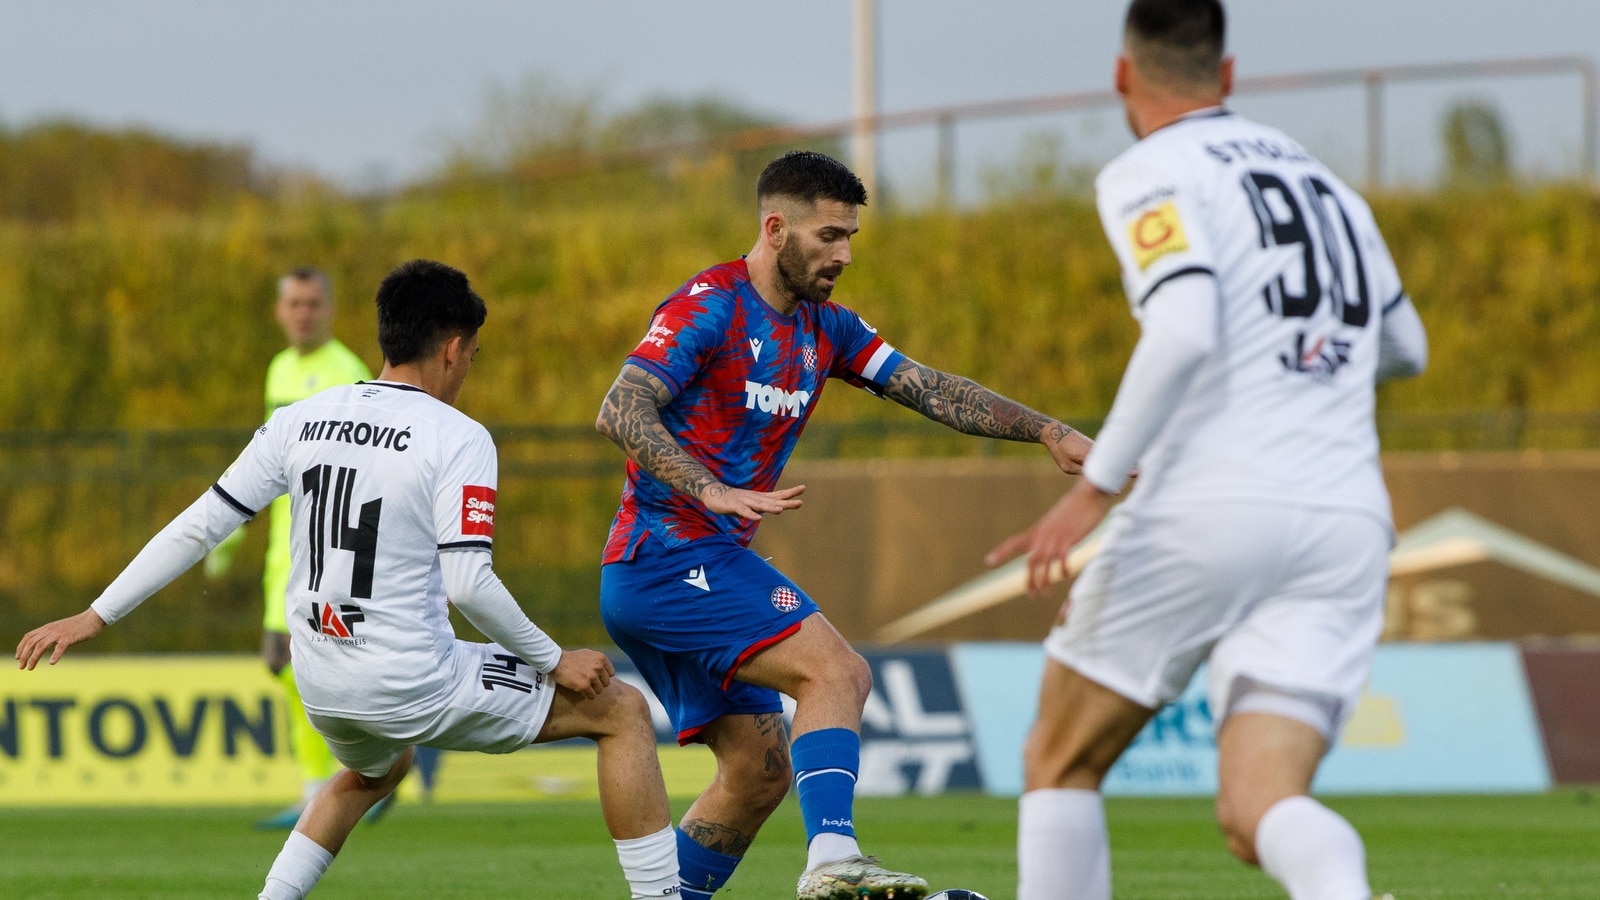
{"x":1434,"y":718}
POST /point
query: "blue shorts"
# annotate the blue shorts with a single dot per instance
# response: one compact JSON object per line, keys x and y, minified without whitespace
{"x":690,"y":616}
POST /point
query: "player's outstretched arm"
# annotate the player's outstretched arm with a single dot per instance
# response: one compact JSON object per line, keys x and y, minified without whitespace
{"x":971,"y":408}
{"x":630,"y":416}
{"x":169,"y":554}
{"x":62,"y":633}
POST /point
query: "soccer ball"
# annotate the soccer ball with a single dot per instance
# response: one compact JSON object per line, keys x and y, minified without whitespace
{"x":957,"y":894}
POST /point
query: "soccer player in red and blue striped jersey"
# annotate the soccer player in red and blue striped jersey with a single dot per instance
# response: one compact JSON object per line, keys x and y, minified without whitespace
{"x":708,"y":408}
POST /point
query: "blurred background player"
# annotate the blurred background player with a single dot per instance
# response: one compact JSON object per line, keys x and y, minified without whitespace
{"x":314,"y":361}
{"x":1258,"y":535}
{"x":397,"y":492}
{"x":708,"y":408}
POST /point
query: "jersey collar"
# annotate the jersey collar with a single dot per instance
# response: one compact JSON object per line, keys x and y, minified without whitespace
{"x":1210,"y":112}
{"x":395,"y":385}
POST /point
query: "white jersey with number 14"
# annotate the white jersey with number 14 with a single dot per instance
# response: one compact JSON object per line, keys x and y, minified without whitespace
{"x":381,"y":477}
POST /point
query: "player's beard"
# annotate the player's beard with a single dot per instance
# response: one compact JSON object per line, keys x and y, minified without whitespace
{"x":803,"y":285}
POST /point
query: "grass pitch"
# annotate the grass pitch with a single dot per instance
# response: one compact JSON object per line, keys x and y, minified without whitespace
{"x":1523,"y":846}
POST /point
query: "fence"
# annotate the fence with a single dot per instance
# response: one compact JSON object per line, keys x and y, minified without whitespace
{"x":77,"y":506}
{"x":1373,"y":80}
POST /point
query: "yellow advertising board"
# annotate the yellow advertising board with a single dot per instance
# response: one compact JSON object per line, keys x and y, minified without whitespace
{"x":186,"y":730}
{"x":144,"y":730}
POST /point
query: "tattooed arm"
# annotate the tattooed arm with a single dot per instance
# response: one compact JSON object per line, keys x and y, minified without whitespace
{"x":631,"y":417}
{"x":971,"y":408}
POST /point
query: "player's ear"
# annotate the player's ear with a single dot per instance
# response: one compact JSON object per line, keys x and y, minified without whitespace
{"x":451,"y":348}
{"x":774,"y":227}
{"x":1226,"y":75}
{"x":1120,"y":77}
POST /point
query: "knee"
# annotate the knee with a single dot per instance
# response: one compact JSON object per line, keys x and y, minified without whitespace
{"x":856,"y":677}
{"x":1239,"y":828}
{"x":628,"y":704}
{"x":625,"y":710}
{"x":1048,"y":763}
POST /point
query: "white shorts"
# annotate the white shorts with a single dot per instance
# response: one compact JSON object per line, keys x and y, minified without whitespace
{"x":1285,"y":597}
{"x":500,"y":704}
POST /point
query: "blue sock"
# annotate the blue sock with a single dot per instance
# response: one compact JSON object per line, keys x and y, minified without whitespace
{"x":825,"y":765}
{"x":701,"y":870}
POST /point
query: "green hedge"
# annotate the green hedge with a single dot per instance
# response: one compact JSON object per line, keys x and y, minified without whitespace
{"x":151,"y":321}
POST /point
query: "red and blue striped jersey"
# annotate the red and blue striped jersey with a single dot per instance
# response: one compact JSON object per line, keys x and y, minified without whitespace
{"x":744,"y":380}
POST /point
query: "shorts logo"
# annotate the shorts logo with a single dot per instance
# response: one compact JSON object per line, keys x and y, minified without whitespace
{"x":504,"y":674}
{"x":338,"y":625}
{"x":1156,"y":234}
{"x":808,"y":356}
{"x":784,"y":599}
{"x":477,"y":510}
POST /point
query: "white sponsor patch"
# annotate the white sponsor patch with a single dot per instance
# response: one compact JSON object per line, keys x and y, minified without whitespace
{"x":775,"y":400}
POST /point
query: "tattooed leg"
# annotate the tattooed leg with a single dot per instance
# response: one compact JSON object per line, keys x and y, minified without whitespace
{"x":752,"y":778}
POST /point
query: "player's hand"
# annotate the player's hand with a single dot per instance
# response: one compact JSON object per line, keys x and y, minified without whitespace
{"x":585,"y":672}
{"x":1067,"y":446}
{"x":1051,"y":538}
{"x":63,"y":633}
{"x":727,"y":501}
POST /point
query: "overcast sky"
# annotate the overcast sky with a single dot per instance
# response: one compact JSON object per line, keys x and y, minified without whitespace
{"x":362,"y":89}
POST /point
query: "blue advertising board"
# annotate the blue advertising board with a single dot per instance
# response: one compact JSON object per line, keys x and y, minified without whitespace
{"x":1434,"y":718}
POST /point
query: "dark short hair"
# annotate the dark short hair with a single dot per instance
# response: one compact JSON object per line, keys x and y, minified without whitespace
{"x":810,"y":176}
{"x":421,"y":304}
{"x":307,"y":273}
{"x":1182,"y":39}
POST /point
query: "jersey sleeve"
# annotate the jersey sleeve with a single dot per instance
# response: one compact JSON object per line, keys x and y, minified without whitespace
{"x":1153,"y":222}
{"x":258,"y":476}
{"x":1402,"y":339}
{"x":684,"y":334}
{"x":463,"y":508}
{"x":863,"y":358}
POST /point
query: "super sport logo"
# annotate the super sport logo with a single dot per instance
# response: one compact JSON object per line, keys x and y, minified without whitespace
{"x":659,"y":333}
{"x":477,"y":510}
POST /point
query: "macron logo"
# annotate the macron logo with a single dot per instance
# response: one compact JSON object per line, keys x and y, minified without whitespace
{"x":697,"y":577}
{"x":774,"y":400}
{"x":755,"y":349}
{"x":698,"y":288}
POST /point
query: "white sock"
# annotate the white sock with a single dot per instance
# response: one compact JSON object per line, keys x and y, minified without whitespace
{"x":650,"y":863}
{"x":830,"y":846}
{"x":297,"y":869}
{"x":1312,"y":851}
{"x":1062,"y":849}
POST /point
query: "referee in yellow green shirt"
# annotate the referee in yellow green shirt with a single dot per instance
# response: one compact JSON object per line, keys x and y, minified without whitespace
{"x":313,"y":362}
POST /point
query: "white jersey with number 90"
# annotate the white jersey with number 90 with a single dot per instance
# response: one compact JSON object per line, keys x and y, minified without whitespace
{"x":1283,"y":409}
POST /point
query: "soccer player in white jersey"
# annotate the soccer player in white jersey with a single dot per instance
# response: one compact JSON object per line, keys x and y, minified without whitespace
{"x":392,"y":495}
{"x":1257,"y":535}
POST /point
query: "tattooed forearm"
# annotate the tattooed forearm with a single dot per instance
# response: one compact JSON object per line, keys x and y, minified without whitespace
{"x":716,"y":836}
{"x":630,"y":416}
{"x":967,"y":406}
